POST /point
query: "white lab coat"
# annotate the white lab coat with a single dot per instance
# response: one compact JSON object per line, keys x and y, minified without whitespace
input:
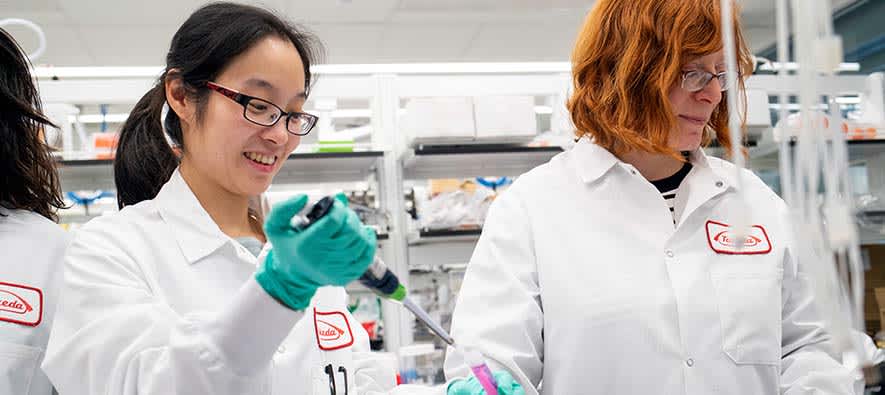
{"x":159,"y":301}
{"x":870,"y":355}
{"x":30,"y":279}
{"x":580,"y":281}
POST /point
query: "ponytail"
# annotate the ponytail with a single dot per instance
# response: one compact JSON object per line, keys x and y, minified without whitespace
{"x":145,"y":160}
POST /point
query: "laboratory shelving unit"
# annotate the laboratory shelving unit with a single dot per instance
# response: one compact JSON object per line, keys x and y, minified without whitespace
{"x":391,"y":162}
{"x":299,"y":168}
{"x":465,"y":161}
{"x":868,"y":154}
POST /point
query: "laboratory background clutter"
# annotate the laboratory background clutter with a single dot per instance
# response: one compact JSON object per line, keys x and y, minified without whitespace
{"x":427,"y":111}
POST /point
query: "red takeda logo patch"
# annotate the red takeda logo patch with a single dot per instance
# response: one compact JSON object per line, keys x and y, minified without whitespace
{"x":332,"y":330}
{"x":727,"y":239}
{"x":21,"y":304}
{"x":13,"y":303}
{"x":327,"y":331}
{"x":723,"y":240}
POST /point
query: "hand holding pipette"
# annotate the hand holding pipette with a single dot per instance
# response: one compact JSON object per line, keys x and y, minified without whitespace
{"x":382,"y":281}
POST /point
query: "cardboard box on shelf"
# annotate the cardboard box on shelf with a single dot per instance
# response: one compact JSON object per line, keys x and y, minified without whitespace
{"x":443,"y":185}
{"x":874,"y":280}
{"x":880,"y":301}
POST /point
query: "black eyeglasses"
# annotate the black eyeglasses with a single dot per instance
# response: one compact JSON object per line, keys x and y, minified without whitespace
{"x":696,"y":80}
{"x":264,"y":113}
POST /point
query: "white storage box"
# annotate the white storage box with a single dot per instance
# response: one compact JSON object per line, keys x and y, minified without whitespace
{"x":439,"y":120}
{"x":505,"y":118}
{"x":466,"y":120}
{"x":758,"y":114}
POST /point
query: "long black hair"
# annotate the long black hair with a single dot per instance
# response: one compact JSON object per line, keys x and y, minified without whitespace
{"x":202,"y":47}
{"x":28,"y":179}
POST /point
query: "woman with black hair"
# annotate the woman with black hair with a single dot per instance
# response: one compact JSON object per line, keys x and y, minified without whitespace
{"x":33,"y":246}
{"x":163,"y":297}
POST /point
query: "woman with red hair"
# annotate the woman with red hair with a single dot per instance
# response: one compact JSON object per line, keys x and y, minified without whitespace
{"x":614,"y":268}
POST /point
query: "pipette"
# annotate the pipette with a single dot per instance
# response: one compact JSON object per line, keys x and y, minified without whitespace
{"x":378,"y":278}
{"x":382,"y":281}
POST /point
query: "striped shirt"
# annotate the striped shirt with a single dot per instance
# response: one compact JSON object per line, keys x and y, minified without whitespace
{"x":668,"y":187}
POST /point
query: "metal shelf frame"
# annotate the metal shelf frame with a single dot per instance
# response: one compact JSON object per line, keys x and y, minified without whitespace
{"x":443,"y":236}
{"x":473,"y":161}
{"x":298,"y":169}
{"x":859,"y":151}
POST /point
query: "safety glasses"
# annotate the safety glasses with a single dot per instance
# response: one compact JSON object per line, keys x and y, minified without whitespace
{"x":264,"y":113}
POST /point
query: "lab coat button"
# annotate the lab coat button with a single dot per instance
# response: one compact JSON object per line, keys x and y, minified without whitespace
{"x":689,"y":362}
{"x":719,"y":184}
{"x":670,"y":253}
{"x":281,"y":349}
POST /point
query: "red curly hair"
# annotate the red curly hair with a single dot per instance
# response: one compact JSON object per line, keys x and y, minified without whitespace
{"x":628,"y":56}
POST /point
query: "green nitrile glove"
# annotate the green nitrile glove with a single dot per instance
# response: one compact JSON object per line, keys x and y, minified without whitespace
{"x":334,"y":250}
{"x":471,"y":386}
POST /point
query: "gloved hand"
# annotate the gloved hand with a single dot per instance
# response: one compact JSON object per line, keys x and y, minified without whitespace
{"x":471,"y":386}
{"x":334,"y":250}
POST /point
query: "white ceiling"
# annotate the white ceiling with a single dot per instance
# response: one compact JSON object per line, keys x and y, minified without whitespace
{"x":137,"y":32}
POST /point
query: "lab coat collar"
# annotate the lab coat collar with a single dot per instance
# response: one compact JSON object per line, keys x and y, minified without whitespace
{"x":591,"y":160}
{"x":709,"y":178}
{"x":194,"y":230}
{"x":721,"y":170}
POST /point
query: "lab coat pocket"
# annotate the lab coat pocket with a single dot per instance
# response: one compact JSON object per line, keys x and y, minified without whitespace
{"x":18,"y":363}
{"x":749,"y":313}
